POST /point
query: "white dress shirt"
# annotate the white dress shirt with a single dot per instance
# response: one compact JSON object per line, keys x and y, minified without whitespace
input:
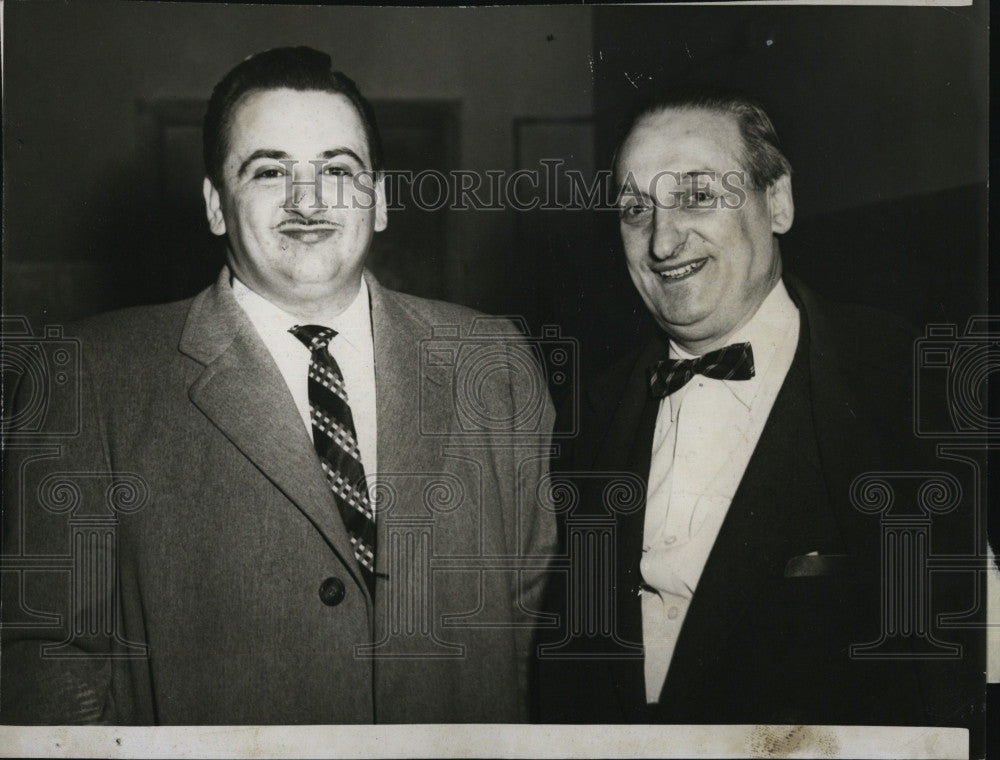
{"x":705,"y":434}
{"x":353,"y":348}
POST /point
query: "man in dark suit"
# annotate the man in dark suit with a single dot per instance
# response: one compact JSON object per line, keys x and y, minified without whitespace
{"x":744,"y":581}
{"x":263,"y":481}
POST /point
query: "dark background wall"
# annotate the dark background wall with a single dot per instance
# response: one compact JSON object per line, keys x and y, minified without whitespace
{"x":882,"y":111}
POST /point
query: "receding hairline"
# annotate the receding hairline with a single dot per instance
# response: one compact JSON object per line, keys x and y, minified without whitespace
{"x":653,"y":114}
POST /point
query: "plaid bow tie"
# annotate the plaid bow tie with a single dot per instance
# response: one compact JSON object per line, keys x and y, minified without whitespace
{"x":733,"y":362}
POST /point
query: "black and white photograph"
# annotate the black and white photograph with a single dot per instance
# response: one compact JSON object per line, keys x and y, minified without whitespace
{"x":574,"y":380}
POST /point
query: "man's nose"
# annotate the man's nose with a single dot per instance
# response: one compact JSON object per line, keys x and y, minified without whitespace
{"x":668,"y":237}
{"x":306,"y":193}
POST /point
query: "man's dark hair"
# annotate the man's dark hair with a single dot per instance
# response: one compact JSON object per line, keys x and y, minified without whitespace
{"x":296,"y":68}
{"x":762,"y":158}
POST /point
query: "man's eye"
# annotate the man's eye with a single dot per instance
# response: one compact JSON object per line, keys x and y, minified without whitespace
{"x":700,"y":198}
{"x":337,"y":171}
{"x":268,"y":173}
{"x":634,"y":212}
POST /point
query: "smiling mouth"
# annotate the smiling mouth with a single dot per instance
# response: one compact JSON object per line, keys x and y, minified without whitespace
{"x":682,"y":271}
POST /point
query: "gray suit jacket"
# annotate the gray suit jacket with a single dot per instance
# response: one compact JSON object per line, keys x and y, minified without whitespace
{"x":172,"y":549}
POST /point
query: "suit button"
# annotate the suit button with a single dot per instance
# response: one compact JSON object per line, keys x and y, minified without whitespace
{"x":332,"y":592}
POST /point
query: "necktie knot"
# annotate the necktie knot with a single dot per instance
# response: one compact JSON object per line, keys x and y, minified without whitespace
{"x":734,"y":362}
{"x":313,"y":337}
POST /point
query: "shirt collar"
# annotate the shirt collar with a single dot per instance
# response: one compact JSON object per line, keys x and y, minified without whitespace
{"x":766,"y":331}
{"x":353,"y":324}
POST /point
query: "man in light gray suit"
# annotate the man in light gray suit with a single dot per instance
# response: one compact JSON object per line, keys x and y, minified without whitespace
{"x":278,"y":508}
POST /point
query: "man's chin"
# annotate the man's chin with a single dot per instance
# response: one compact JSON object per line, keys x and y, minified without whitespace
{"x":687,"y":328}
{"x":317,"y":283}
{"x":680,"y":312}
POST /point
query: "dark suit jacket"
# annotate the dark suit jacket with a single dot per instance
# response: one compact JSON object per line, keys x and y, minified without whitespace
{"x":768,"y":634}
{"x":214,"y":560}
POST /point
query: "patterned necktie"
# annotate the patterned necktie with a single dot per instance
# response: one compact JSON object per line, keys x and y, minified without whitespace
{"x":733,"y":362}
{"x":336,"y":441}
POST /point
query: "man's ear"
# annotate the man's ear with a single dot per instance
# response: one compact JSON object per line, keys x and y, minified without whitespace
{"x":779,"y":199}
{"x":381,"y":211}
{"x":213,"y":208}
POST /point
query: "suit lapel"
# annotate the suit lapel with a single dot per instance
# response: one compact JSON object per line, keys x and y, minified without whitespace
{"x":840,"y":415}
{"x":764,"y":518}
{"x":784,"y":500}
{"x":627,"y":447}
{"x":789,"y":497}
{"x":411,"y":408}
{"x":244,"y":394}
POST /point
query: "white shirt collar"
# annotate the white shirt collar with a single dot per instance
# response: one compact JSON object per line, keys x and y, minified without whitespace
{"x":767,"y":329}
{"x":353,"y":324}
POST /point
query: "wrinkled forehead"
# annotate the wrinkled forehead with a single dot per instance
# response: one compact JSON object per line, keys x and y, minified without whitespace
{"x":681,"y":140}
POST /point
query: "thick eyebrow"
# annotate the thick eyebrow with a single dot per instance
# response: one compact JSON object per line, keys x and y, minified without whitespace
{"x":260,"y":153}
{"x":277,"y":155}
{"x":342,"y":152}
